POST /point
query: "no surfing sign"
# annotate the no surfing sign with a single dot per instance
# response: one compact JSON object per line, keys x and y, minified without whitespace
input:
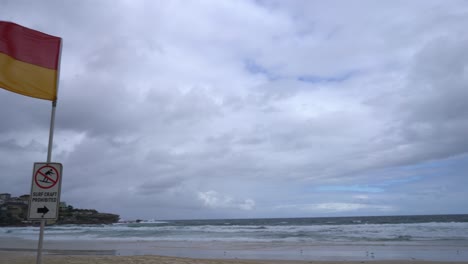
{"x":45,"y":191}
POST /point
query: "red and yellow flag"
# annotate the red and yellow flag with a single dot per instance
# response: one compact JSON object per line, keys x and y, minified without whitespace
{"x":29,"y":61}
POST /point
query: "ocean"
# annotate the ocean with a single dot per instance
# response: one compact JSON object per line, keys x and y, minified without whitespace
{"x":415,"y":236}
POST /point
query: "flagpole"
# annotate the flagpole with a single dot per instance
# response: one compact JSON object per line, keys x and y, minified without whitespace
{"x":49,"y":156}
{"x":51,"y":131}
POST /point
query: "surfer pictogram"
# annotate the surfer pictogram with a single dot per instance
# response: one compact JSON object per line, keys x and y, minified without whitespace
{"x":46,"y":177}
{"x":48,"y":173}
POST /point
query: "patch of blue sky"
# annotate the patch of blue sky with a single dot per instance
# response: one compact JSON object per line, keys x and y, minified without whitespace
{"x":372,"y":188}
{"x":425,"y":170}
{"x":255,"y":68}
{"x":392,"y":182}
{"x":350,"y":188}
{"x":450,"y":162}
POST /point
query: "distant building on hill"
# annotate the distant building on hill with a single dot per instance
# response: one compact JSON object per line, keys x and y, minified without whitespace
{"x":63,"y":205}
{"x":5,"y":196}
{"x":14,"y":211}
{"x":25,"y":198}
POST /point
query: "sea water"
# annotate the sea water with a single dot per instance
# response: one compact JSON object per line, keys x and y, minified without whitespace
{"x":394,"y":237}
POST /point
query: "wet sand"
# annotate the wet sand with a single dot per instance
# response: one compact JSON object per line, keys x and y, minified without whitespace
{"x":7,"y":257}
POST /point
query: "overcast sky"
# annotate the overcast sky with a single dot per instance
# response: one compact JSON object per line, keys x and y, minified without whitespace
{"x":235,"y":109}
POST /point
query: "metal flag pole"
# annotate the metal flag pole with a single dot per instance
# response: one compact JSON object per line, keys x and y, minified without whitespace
{"x":49,"y":157}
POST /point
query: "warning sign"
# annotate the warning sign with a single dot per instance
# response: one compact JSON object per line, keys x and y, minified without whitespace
{"x":45,"y":191}
{"x":46,"y":177}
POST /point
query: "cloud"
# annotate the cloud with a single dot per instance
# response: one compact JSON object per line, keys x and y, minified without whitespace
{"x":361,"y":197}
{"x":213,"y":199}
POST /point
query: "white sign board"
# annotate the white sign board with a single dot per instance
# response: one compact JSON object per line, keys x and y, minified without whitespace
{"x":45,"y":191}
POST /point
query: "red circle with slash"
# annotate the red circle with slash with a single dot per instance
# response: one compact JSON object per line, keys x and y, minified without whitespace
{"x":46,"y":177}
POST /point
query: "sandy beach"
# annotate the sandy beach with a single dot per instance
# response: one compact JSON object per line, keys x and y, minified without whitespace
{"x":241,"y":250}
{"x":29,"y":258}
{"x":18,"y":251}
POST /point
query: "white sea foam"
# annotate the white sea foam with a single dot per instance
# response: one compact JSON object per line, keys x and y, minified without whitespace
{"x":158,"y":231}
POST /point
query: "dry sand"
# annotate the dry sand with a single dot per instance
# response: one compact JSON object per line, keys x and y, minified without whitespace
{"x":29,"y":258}
{"x":19,"y":251}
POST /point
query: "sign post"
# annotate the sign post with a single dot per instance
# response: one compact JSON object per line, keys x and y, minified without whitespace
{"x":44,"y":199}
{"x":45,"y":191}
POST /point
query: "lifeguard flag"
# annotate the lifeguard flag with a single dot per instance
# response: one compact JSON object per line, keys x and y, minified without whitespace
{"x":29,"y":61}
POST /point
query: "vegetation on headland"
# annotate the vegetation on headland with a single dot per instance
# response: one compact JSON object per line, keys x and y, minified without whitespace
{"x":14,"y":212}
{"x":70,"y":215}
